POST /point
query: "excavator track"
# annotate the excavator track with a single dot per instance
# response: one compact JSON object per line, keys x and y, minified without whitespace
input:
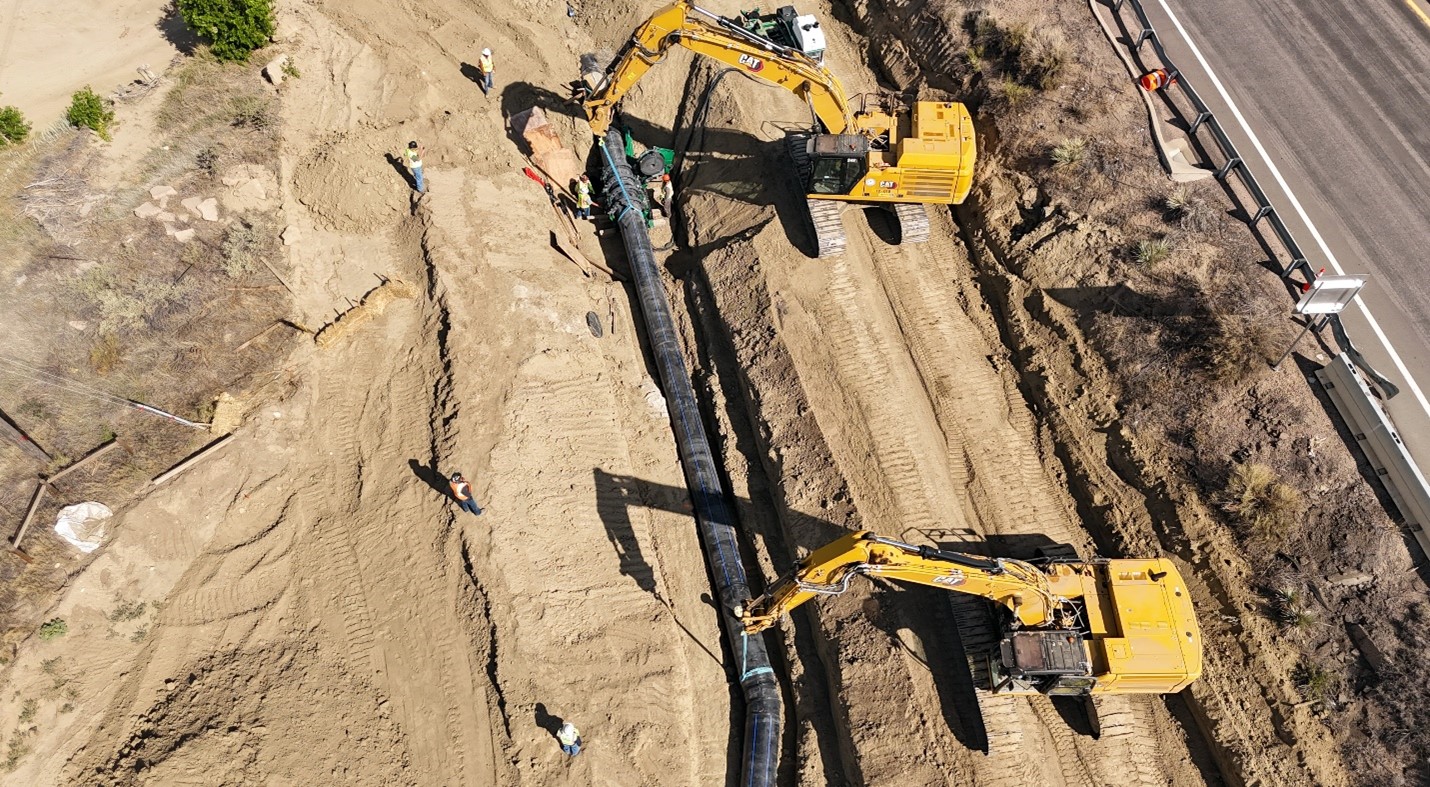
{"x":826,"y":216}
{"x":913,"y":222}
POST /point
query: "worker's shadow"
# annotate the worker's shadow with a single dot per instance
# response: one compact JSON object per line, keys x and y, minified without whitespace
{"x":402,"y":170}
{"x":430,"y":475}
{"x":546,"y":721}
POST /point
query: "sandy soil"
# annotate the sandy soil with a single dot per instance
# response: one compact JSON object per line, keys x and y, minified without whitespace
{"x":38,"y":42}
{"x":317,"y":612}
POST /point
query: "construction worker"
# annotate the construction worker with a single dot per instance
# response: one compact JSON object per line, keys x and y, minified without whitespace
{"x":462,"y":493}
{"x":414,"y":153}
{"x":1152,"y":81}
{"x":665,"y":194}
{"x":484,"y":65}
{"x":570,"y":739}
{"x":583,"y":197}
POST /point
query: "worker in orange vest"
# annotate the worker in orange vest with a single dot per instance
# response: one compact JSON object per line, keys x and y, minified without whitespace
{"x":462,"y":493}
{"x":1153,"y":81}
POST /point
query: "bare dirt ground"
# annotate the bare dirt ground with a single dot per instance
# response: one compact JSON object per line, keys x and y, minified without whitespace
{"x":307,"y":607}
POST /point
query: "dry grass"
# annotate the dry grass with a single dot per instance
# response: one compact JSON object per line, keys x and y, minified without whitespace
{"x":1267,"y":509}
{"x":147,"y":318}
{"x":1069,"y":152}
{"x":1029,"y":53}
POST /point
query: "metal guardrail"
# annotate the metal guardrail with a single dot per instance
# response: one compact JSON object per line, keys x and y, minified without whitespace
{"x":1362,"y":411}
{"x":1376,"y":435}
{"x":1234,"y":161}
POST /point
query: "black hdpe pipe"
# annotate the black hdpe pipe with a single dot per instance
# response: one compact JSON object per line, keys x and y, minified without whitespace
{"x":763,"y":707}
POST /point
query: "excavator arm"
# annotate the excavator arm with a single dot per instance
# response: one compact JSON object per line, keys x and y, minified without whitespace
{"x":1019,"y":586}
{"x":705,"y":33}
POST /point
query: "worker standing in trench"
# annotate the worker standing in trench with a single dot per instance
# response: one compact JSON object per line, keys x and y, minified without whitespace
{"x":462,"y":493}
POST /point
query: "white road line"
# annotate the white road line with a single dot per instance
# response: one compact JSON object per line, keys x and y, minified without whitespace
{"x":1295,"y":203}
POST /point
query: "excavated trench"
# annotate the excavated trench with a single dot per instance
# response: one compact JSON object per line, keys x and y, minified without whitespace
{"x":939,"y":436}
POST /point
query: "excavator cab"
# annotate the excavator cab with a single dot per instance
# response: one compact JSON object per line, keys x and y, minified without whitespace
{"x":839,"y":162}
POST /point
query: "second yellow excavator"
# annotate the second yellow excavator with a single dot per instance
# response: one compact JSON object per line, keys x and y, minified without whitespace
{"x":1068,"y":627}
{"x":898,"y":159}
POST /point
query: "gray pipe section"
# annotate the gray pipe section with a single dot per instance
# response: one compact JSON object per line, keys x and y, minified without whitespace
{"x":763,"y":707}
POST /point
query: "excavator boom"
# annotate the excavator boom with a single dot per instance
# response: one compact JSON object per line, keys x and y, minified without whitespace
{"x":705,"y":33}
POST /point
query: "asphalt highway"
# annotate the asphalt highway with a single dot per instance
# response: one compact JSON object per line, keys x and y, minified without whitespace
{"x":1328,"y":101}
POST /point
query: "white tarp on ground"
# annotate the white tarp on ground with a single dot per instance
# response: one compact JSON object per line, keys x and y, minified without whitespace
{"x":85,"y":525}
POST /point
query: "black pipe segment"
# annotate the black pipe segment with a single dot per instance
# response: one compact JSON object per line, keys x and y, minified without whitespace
{"x":763,"y":706}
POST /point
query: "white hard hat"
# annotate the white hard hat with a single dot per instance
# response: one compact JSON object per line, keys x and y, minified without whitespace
{"x":487,"y":52}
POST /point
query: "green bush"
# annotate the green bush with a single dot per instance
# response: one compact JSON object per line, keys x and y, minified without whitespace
{"x":56,"y":627}
{"x":88,"y":110}
{"x":13,"y":128}
{"x":233,"y":28}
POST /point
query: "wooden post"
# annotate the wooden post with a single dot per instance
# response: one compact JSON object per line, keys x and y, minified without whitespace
{"x":14,"y":434}
{"x":203,"y":453}
{"x":30,"y":514}
{"x":95,"y":454}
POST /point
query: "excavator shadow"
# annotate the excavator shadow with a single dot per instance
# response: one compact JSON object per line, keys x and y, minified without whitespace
{"x":720,"y":162}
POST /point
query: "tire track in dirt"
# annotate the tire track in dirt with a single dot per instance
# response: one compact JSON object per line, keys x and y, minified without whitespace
{"x":983,"y":415}
{"x":993,"y":431}
{"x":565,"y":429}
{"x":865,"y":361}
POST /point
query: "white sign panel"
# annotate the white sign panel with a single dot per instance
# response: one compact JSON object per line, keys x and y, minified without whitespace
{"x":1330,"y":294}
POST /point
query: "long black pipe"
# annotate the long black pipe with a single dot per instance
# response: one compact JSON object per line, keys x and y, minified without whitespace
{"x":763,"y":711}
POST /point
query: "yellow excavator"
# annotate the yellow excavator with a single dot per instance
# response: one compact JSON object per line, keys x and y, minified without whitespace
{"x":1068,"y":627}
{"x":897,"y":159}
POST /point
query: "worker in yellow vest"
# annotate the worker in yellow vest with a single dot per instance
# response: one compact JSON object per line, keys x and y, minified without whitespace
{"x":570,"y":739}
{"x":484,"y":67}
{"x":462,"y":493}
{"x":583,"y":197}
{"x":414,"y":160}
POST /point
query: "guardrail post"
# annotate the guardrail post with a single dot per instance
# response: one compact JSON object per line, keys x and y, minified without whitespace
{"x":1142,"y":37}
{"x":1196,"y":124}
{"x":1226,"y":168}
{"x":1299,"y":262}
{"x":1117,"y":6}
{"x":1261,"y":214}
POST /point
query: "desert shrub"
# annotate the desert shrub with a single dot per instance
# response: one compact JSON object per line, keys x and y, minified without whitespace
{"x":89,"y":110}
{"x":127,"y":304}
{"x":1152,"y":251}
{"x":128,"y":610}
{"x":207,"y":160}
{"x":253,"y":111}
{"x":28,"y":710}
{"x":241,"y":253}
{"x":1290,"y":609}
{"x":1070,"y":152}
{"x":233,"y":28}
{"x":13,"y":128}
{"x":1187,"y":210}
{"x":1011,"y":93}
{"x":105,"y":354}
{"x":1032,"y":55}
{"x":1235,"y":349}
{"x":1264,"y":506}
{"x":290,"y":69}
{"x":54,"y":628}
{"x":1315,"y":681}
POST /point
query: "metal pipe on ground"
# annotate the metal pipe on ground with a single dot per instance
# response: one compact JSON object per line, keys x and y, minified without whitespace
{"x":763,"y":706}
